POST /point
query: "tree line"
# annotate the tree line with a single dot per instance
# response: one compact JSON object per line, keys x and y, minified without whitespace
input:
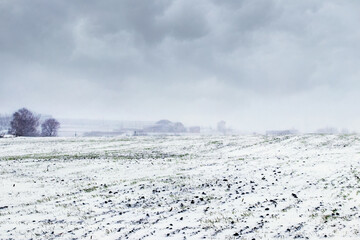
{"x":26,"y":123}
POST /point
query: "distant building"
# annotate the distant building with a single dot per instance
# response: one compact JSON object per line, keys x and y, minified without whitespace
{"x":221,"y":127}
{"x":194,"y":129}
{"x":103,"y":134}
{"x":345,"y":131}
{"x":139,"y":133}
{"x":328,"y":130}
{"x":281,"y":132}
{"x":166,"y":126}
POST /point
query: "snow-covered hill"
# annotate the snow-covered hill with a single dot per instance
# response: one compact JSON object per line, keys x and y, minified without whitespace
{"x":239,"y":187}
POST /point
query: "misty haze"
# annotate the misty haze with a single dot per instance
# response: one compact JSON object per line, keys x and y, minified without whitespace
{"x":179,"y":119}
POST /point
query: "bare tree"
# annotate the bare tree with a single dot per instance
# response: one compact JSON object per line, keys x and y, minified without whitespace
{"x":50,"y":127}
{"x":24,"y":123}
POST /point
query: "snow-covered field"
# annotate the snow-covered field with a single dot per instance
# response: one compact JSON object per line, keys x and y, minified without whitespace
{"x":229,"y":187}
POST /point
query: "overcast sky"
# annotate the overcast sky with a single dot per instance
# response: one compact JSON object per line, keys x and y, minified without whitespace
{"x":257,"y":64}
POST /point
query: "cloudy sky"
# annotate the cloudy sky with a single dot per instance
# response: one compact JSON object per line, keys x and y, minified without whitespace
{"x":257,"y":64}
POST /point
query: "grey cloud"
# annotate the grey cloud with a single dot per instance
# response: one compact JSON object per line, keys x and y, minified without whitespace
{"x":199,"y":57}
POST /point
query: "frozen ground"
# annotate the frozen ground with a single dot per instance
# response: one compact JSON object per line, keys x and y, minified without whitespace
{"x":252,"y":187}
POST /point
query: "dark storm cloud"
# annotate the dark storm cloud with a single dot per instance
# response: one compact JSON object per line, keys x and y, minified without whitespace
{"x":187,"y":60}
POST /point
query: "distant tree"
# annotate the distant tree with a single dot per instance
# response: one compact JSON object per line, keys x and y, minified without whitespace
{"x":50,"y":127}
{"x":4,"y":123}
{"x":24,"y":123}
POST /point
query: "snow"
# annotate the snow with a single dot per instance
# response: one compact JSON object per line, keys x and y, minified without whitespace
{"x":182,"y":187}
{"x":8,"y":136}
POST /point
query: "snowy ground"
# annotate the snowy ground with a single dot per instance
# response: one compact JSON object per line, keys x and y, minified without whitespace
{"x":233,"y":187}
